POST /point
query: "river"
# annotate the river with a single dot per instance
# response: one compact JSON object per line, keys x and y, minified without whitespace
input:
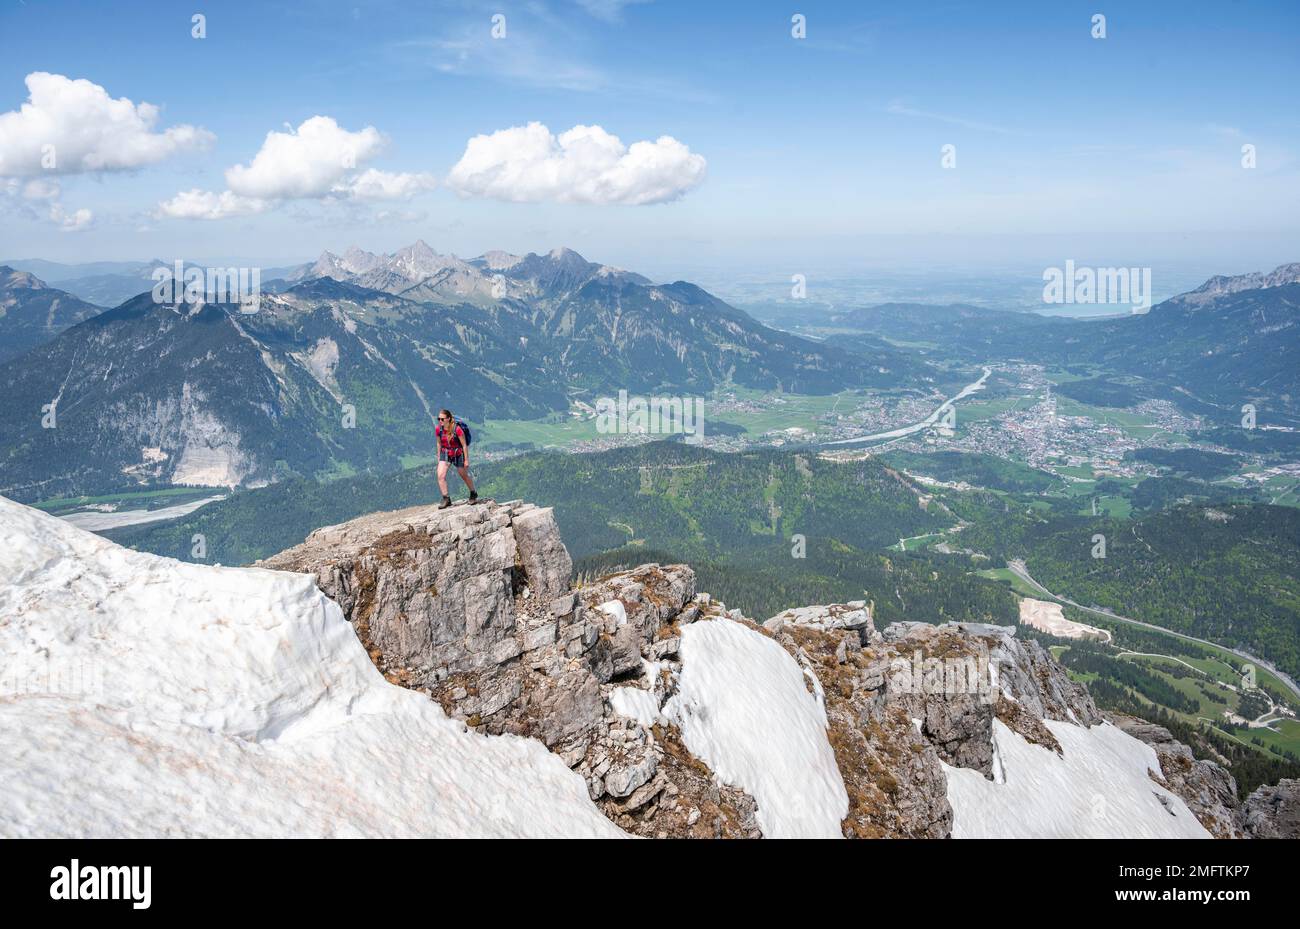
{"x":923,"y":424}
{"x":98,"y":520}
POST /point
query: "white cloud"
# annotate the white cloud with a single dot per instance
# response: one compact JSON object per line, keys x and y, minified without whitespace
{"x":319,"y":160}
{"x":584,"y":165}
{"x":40,"y":189}
{"x":384,"y":185}
{"x":205,"y":204}
{"x":40,"y":200}
{"x":73,"y":126}
{"x":304,"y":163}
{"x":70,"y":222}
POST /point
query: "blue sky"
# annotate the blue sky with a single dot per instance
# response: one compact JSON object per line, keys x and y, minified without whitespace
{"x":820,"y":150}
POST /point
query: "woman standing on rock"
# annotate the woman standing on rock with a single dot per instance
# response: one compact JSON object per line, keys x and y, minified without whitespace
{"x":453,"y":449}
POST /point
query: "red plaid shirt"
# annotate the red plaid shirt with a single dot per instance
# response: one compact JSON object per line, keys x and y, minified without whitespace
{"x":450,"y":440}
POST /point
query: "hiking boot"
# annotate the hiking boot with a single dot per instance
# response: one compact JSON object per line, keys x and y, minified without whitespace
{"x":473,"y":496}
{"x":446,"y":502}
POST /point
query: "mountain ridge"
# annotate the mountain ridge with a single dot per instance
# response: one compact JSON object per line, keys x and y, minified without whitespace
{"x":455,"y":634}
{"x":418,"y":272}
{"x":331,"y":376}
{"x":1220,"y":284}
{"x":32,"y":312}
{"x":1231,"y":341}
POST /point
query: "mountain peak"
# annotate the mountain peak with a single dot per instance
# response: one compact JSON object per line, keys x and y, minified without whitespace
{"x":418,"y":249}
{"x":1256,"y":280}
{"x":726,"y":738}
{"x":358,"y":260}
{"x":567,"y":255}
{"x":353,"y":261}
{"x":498,"y":260}
{"x":230,"y":771}
{"x":12,"y":279}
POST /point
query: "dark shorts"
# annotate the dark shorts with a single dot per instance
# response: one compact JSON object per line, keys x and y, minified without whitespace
{"x":455,"y":458}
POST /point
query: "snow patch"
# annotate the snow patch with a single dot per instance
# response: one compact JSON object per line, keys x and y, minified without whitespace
{"x":231,"y":702}
{"x":1099,"y":789}
{"x":744,"y":710}
{"x":615,"y":609}
{"x":635,"y":703}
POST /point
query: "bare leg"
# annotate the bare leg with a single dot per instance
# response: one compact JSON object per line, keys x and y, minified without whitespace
{"x":463,"y":471}
{"x":442,"y":477}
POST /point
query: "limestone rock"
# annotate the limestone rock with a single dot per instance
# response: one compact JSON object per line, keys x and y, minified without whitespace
{"x":892,"y":773}
{"x":853,"y":616}
{"x":544,"y":558}
{"x":472,"y":606}
{"x":1273,"y":812}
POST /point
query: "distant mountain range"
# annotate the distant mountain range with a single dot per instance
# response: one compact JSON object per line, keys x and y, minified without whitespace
{"x":1220,"y":285}
{"x":335,"y":374}
{"x":106,"y":283}
{"x":350,"y":356}
{"x":1231,"y":341}
{"x":419,"y":273}
{"x":32,"y":312}
{"x":602,"y":327}
{"x":1237,"y":346}
{"x":57,"y":272}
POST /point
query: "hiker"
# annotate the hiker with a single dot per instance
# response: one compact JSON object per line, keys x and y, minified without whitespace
{"x":453,"y":449}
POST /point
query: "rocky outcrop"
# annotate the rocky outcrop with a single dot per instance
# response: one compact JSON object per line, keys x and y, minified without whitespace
{"x":1273,"y":812}
{"x":473,"y":606}
{"x":891,"y":771}
{"x":435,"y":591}
{"x":904,"y":702}
{"x":468,"y":605}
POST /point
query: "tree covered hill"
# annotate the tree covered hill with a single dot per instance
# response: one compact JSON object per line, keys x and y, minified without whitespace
{"x":737,"y":518}
{"x":1227,"y":572}
{"x":32,"y":312}
{"x":704,"y":503}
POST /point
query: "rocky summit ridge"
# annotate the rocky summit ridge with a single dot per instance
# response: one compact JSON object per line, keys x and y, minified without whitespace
{"x":622,"y":678}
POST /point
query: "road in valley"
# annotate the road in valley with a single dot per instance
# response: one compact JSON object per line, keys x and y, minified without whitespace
{"x":1018,"y":568}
